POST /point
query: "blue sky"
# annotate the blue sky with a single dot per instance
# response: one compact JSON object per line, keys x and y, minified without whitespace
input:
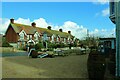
{"x":88,"y":14}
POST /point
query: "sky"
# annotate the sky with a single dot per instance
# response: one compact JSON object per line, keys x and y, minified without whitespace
{"x":78,"y":17}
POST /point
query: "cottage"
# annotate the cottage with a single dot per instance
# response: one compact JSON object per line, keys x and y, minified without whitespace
{"x":18,"y":35}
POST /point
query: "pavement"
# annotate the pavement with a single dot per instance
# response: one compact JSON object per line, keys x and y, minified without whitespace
{"x":13,"y":54}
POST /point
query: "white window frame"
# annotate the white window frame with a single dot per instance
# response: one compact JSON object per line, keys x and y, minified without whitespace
{"x":28,"y":37}
{"x":53,"y":37}
{"x":36,"y":35}
{"x":57,"y":38}
{"x":22,"y":34}
{"x":64,"y":39}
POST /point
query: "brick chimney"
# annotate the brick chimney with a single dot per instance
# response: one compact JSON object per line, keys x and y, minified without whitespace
{"x":33,"y":24}
{"x":60,"y":30}
{"x":69,"y":32}
{"x":12,"y":21}
{"x":49,"y":27}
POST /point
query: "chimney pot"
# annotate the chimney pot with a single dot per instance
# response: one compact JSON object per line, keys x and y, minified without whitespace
{"x":60,"y":30}
{"x":33,"y":24}
{"x":69,"y":32}
{"x":12,"y":20}
{"x":49,"y":27}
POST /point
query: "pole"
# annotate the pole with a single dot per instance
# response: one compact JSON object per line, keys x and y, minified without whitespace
{"x":117,"y":20}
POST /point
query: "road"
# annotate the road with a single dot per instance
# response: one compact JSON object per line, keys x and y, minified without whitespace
{"x":72,"y":66}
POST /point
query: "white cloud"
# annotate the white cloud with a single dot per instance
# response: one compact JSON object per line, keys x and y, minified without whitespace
{"x":102,"y":2}
{"x":79,"y":31}
{"x":4,"y":25}
{"x":105,"y":12}
{"x":97,"y":14}
{"x":102,"y":33}
{"x":50,"y":0}
{"x":103,"y":30}
{"x":41,"y":22}
{"x":23,"y":21}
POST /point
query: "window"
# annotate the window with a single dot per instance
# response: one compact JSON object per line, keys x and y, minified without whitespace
{"x":45,"y":37}
{"x":52,"y":38}
{"x":112,"y":7}
{"x":64,"y":39}
{"x":30,"y":36}
{"x":36,"y":37}
{"x":57,"y":38}
{"x":22,"y":36}
{"x":48,"y":38}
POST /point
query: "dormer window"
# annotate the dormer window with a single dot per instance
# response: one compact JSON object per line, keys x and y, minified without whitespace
{"x":22,"y":36}
{"x":52,"y":38}
{"x":57,"y":38}
{"x":64,"y":39}
{"x":36,"y":35}
{"x":45,"y":36}
{"x":30,"y":36}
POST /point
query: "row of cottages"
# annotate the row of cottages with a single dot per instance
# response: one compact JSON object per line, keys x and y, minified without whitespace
{"x":19,"y":35}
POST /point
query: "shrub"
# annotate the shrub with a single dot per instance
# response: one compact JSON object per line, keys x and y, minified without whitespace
{"x":96,"y":65}
{"x":23,"y":48}
{"x":38,"y":46}
{"x":52,"y":45}
{"x":6,"y":44}
{"x":34,"y":54}
{"x":50,"y":49}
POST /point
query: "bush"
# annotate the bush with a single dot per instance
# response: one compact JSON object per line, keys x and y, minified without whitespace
{"x":38,"y":46}
{"x":34,"y":54}
{"x":96,"y":65}
{"x":23,"y":48}
{"x":50,"y":49}
{"x":52,"y":45}
{"x":112,"y":63}
{"x":6,"y":44}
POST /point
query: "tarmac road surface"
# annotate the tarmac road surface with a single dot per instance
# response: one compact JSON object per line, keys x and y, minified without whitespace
{"x":72,"y":66}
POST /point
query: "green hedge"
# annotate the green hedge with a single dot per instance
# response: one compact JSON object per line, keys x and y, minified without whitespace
{"x":38,"y":46}
{"x":6,"y":44}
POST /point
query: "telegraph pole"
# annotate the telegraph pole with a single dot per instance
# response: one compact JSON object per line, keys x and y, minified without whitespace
{"x":117,"y":21}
